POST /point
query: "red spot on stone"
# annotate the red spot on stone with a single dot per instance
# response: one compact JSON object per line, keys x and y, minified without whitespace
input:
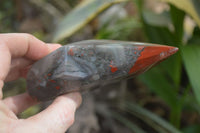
{"x":81,"y":54}
{"x":38,"y":88}
{"x":52,"y":81}
{"x":113,"y":68}
{"x":57,"y":87}
{"x":49,"y":74}
{"x":135,"y":52}
{"x":71,"y":52}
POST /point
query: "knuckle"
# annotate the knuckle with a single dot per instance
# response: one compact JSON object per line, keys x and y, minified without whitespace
{"x":27,"y":35}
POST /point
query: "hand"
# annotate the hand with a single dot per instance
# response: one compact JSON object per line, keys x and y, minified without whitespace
{"x":17,"y":53}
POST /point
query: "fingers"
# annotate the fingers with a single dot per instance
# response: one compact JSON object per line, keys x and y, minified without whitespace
{"x":5,"y":59}
{"x":20,"y":66}
{"x":59,"y":115}
{"x":18,"y":46}
{"x":19,"y":103}
{"x":53,"y":46}
{"x":25,"y":45}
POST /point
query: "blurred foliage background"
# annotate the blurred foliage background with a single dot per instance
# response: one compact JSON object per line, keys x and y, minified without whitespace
{"x":165,"y":99}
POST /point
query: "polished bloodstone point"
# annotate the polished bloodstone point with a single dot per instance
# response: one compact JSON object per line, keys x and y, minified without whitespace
{"x":91,"y":64}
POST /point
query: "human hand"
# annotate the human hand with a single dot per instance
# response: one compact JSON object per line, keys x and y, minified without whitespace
{"x":17,"y":53}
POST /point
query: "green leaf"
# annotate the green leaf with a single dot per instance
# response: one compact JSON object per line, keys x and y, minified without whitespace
{"x":158,"y":83}
{"x":189,"y":6}
{"x":192,"y":129}
{"x":156,"y":122}
{"x":173,"y":65}
{"x":165,"y":80}
{"x":195,"y":39}
{"x":157,"y":30}
{"x":127,"y":123}
{"x":173,"y":68}
{"x":191,"y":58}
{"x":177,"y":22}
{"x":30,"y":111}
{"x":80,"y":16}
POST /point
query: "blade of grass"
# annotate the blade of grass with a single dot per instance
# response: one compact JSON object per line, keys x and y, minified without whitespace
{"x":127,"y":123}
{"x":178,"y":23}
{"x":153,"y":120}
{"x":191,"y":58}
{"x":159,"y":84}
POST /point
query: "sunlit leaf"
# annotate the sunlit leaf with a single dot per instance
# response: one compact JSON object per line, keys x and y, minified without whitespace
{"x":80,"y":16}
{"x":189,"y":6}
{"x":191,"y":57}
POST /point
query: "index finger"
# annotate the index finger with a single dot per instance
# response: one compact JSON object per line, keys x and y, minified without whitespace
{"x":22,"y":44}
{"x":15,"y":45}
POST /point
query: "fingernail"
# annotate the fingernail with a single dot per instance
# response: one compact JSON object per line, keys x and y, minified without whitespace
{"x":53,"y":47}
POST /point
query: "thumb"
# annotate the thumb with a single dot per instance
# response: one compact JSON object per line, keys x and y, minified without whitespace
{"x":59,"y":116}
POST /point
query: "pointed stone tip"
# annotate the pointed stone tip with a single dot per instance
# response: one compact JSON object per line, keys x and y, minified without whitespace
{"x":152,"y":55}
{"x":167,"y":52}
{"x":175,"y":49}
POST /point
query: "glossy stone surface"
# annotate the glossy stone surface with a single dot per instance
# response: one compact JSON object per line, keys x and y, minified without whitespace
{"x":91,"y":64}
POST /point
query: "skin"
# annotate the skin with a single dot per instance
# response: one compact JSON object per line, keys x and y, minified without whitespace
{"x":17,"y":53}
